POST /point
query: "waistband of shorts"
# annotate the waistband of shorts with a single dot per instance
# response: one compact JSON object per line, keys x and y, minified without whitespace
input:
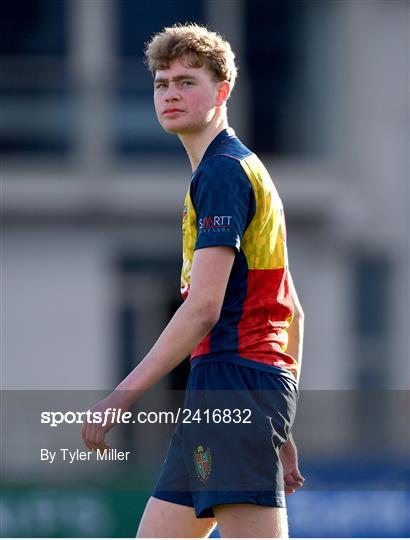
{"x":239,"y":360}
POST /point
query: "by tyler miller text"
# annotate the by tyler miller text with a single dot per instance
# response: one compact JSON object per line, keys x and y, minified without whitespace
{"x":73,"y":456}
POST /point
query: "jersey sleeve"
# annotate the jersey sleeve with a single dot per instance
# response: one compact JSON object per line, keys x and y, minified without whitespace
{"x":223,"y":200}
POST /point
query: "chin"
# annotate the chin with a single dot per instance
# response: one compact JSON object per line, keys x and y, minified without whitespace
{"x":181,"y":129}
{"x":173,"y":130}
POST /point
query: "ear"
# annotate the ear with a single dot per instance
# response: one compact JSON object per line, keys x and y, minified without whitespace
{"x":224,"y":89}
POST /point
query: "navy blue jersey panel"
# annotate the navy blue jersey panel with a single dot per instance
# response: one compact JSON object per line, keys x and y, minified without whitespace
{"x":222,"y":198}
{"x":224,"y":335}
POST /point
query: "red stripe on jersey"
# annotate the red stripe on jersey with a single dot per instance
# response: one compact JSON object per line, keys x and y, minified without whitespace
{"x":262,"y":328}
{"x":275,"y":357}
{"x":203,"y":348}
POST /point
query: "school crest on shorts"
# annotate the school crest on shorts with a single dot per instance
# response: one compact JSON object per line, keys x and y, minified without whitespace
{"x":202,"y":460}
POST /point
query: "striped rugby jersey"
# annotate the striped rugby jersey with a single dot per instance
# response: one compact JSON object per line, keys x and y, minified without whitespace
{"x":232,"y":201}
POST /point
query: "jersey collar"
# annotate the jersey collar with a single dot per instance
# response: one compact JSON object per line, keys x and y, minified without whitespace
{"x":217,"y":144}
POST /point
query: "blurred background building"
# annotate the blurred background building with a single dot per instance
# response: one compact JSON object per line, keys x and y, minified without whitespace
{"x":92,"y":193}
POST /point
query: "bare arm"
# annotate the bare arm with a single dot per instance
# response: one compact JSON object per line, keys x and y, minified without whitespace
{"x":288,"y":452}
{"x":194,"y":319}
{"x":295,"y":330}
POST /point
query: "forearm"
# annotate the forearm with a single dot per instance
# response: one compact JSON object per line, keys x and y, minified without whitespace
{"x":296,"y":328}
{"x":183,"y":333}
{"x":295,"y":340}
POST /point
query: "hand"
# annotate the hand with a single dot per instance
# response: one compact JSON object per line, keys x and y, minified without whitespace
{"x":93,"y":433}
{"x":291,"y":474}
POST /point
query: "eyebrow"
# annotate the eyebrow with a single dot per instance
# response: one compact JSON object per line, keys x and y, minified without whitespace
{"x":176,"y":79}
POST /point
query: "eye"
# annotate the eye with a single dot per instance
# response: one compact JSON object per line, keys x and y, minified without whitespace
{"x":160,"y":85}
{"x":187,"y":83}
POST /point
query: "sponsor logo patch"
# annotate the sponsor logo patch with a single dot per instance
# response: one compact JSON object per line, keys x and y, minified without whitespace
{"x":215,"y":223}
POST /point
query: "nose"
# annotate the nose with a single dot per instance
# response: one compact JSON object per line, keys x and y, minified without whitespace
{"x":172,"y":93}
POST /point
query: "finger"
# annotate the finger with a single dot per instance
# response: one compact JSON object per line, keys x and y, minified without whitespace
{"x":86,"y":434}
{"x":99,"y":435}
{"x":298,"y":477}
{"x":100,"y":440}
{"x":93,"y":437}
{"x":101,"y":447}
{"x":91,"y":445}
{"x":293,"y":484}
{"x":289,"y":479}
{"x":294,"y":476}
{"x":105,"y":446}
{"x":86,"y":439}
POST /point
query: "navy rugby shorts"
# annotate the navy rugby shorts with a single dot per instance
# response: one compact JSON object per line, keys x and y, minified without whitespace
{"x":225,"y":449}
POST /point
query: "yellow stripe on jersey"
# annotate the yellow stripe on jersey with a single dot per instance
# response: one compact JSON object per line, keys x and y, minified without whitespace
{"x":188,"y":245}
{"x":264,"y":240}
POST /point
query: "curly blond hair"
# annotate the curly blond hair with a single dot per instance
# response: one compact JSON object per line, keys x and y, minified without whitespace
{"x":197,"y":46}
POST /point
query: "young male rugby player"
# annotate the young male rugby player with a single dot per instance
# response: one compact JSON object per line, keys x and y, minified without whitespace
{"x":241,"y":320}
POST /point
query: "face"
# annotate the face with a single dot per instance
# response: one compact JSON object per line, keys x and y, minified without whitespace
{"x":186,"y":98}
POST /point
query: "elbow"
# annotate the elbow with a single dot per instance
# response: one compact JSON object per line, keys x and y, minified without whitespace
{"x":210,"y":315}
{"x":207,"y":313}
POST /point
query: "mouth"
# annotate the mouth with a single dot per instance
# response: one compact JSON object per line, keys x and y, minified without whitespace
{"x":169,"y":112}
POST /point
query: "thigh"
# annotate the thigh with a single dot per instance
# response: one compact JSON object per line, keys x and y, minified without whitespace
{"x":250,"y":521}
{"x":163,"y":519}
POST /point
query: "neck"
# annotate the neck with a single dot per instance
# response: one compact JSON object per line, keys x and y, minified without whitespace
{"x":196,"y":143}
